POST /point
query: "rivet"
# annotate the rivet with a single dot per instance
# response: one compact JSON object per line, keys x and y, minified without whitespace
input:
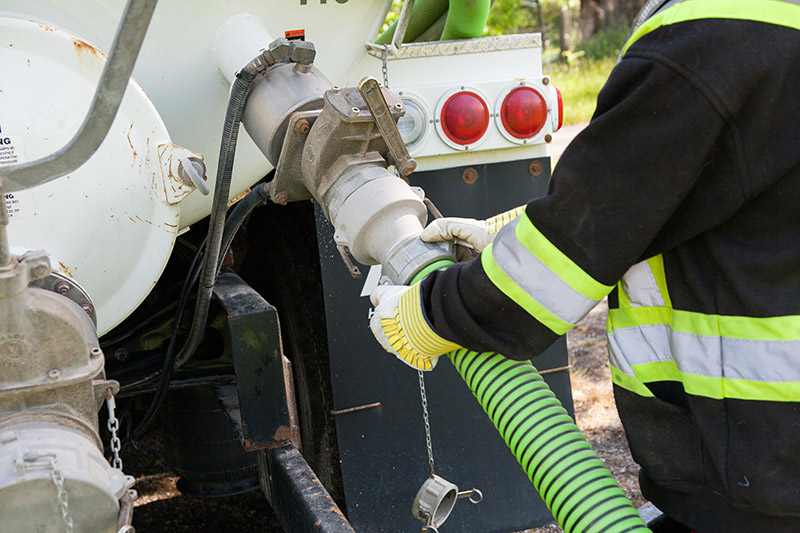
{"x":53,"y":375}
{"x":536,"y":168}
{"x":470,"y":175}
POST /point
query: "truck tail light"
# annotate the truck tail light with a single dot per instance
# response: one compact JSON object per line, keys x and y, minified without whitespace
{"x":524,"y":112}
{"x":412,"y":124}
{"x":464,"y":118}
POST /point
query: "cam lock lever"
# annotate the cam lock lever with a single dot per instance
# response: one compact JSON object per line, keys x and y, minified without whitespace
{"x":372,"y":94}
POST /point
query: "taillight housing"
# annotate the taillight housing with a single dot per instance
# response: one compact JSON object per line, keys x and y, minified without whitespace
{"x":463,"y":118}
{"x":413,"y":126}
{"x":523,"y":113}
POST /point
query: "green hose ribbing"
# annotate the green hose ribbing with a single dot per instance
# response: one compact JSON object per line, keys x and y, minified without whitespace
{"x":567,"y":473}
{"x":465,"y":19}
{"x":571,"y":479}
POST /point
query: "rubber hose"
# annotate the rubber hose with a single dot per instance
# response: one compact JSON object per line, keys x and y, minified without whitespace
{"x":466,"y":19}
{"x":567,"y":473}
{"x":423,"y":15}
{"x":258,"y":195}
{"x":230,"y":132}
{"x":434,"y":32}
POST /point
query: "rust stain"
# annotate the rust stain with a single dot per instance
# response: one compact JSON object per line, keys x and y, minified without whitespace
{"x":46,"y":27}
{"x":135,"y":153}
{"x":283,"y":433}
{"x":171,"y":225}
{"x":84,"y":47}
{"x":29,"y":62}
{"x":64,"y":269}
{"x":130,"y":217}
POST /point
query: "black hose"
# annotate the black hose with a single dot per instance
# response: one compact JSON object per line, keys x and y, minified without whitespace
{"x":174,"y":359}
{"x":233,"y":117}
{"x":258,"y":195}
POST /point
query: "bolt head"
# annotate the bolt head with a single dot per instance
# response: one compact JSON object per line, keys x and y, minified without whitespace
{"x":62,"y":288}
{"x":282,"y":198}
{"x":303,"y":126}
{"x":469,"y":176}
{"x":53,"y":375}
{"x":87,"y":307}
{"x":280,"y":49}
{"x":303,"y":52}
{"x":41,"y":270}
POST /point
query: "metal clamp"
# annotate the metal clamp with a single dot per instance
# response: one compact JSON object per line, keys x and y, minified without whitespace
{"x":372,"y":94}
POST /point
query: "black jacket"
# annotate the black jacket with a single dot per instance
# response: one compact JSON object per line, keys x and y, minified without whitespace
{"x":693,"y":153}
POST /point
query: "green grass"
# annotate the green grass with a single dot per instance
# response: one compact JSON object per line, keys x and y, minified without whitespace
{"x":579,"y":82}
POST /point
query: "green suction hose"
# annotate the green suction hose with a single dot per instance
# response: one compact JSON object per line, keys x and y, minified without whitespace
{"x":571,"y":479}
{"x":465,"y":19}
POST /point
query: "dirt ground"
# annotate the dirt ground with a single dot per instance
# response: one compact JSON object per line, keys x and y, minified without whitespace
{"x":161,"y":507}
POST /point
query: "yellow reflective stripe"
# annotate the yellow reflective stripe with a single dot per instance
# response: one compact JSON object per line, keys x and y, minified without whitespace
{"x":558,"y":262}
{"x":657,"y":267}
{"x":507,"y":286}
{"x":779,"y":328}
{"x":709,"y":387}
{"x":416,"y":327}
{"x":496,"y":223}
{"x":622,"y":296}
{"x":630,"y":383}
{"x":770,"y":11}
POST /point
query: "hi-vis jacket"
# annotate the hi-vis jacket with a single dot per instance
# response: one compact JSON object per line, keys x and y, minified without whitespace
{"x":681,"y":201}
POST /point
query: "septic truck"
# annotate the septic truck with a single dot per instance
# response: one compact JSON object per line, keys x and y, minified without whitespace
{"x":199,"y":199}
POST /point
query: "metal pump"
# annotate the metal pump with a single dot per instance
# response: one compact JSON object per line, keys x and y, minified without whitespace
{"x":336,"y":146}
{"x":52,"y":471}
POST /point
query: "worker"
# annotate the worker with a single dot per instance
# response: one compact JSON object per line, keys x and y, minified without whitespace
{"x":681,"y":202}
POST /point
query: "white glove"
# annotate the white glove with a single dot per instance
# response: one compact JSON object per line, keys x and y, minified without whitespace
{"x":400,"y":325}
{"x":475,"y":234}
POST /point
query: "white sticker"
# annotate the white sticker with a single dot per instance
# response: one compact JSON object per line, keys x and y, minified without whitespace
{"x":20,"y":204}
{"x":12,"y":150}
{"x":373,"y":277}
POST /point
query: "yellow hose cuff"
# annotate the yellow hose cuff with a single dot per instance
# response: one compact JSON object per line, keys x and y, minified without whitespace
{"x":494,"y":224}
{"x":410,"y":334}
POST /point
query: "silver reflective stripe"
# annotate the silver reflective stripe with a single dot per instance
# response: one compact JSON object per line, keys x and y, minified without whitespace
{"x":640,"y":286}
{"x":540,"y":283}
{"x":715,"y":357}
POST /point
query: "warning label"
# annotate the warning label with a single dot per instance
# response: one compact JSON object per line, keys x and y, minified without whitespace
{"x":20,"y":204}
{"x":12,"y":150}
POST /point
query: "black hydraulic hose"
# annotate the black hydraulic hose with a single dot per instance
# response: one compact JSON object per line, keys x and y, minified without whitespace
{"x":233,"y":117}
{"x":213,"y":246}
{"x":258,"y":196}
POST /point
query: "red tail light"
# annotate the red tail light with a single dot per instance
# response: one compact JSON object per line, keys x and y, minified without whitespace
{"x":464,"y":118}
{"x":524,"y":112}
{"x":560,"y":109}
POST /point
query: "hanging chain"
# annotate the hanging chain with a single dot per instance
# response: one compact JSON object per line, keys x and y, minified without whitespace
{"x":425,"y":417}
{"x":385,"y":66}
{"x":63,"y":504}
{"x":113,"y":427}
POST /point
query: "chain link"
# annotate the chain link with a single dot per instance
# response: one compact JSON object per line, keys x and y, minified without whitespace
{"x":63,"y":504}
{"x":425,"y":417}
{"x":385,"y":66}
{"x":113,"y":427}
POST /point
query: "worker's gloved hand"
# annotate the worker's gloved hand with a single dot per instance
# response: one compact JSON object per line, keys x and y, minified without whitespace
{"x":400,"y":325}
{"x":468,"y":232}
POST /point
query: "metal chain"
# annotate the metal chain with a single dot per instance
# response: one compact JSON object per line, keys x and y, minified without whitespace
{"x":113,"y":427}
{"x":63,"y":504}
{"x":425,"y":417}
{"x":385,"y":67}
